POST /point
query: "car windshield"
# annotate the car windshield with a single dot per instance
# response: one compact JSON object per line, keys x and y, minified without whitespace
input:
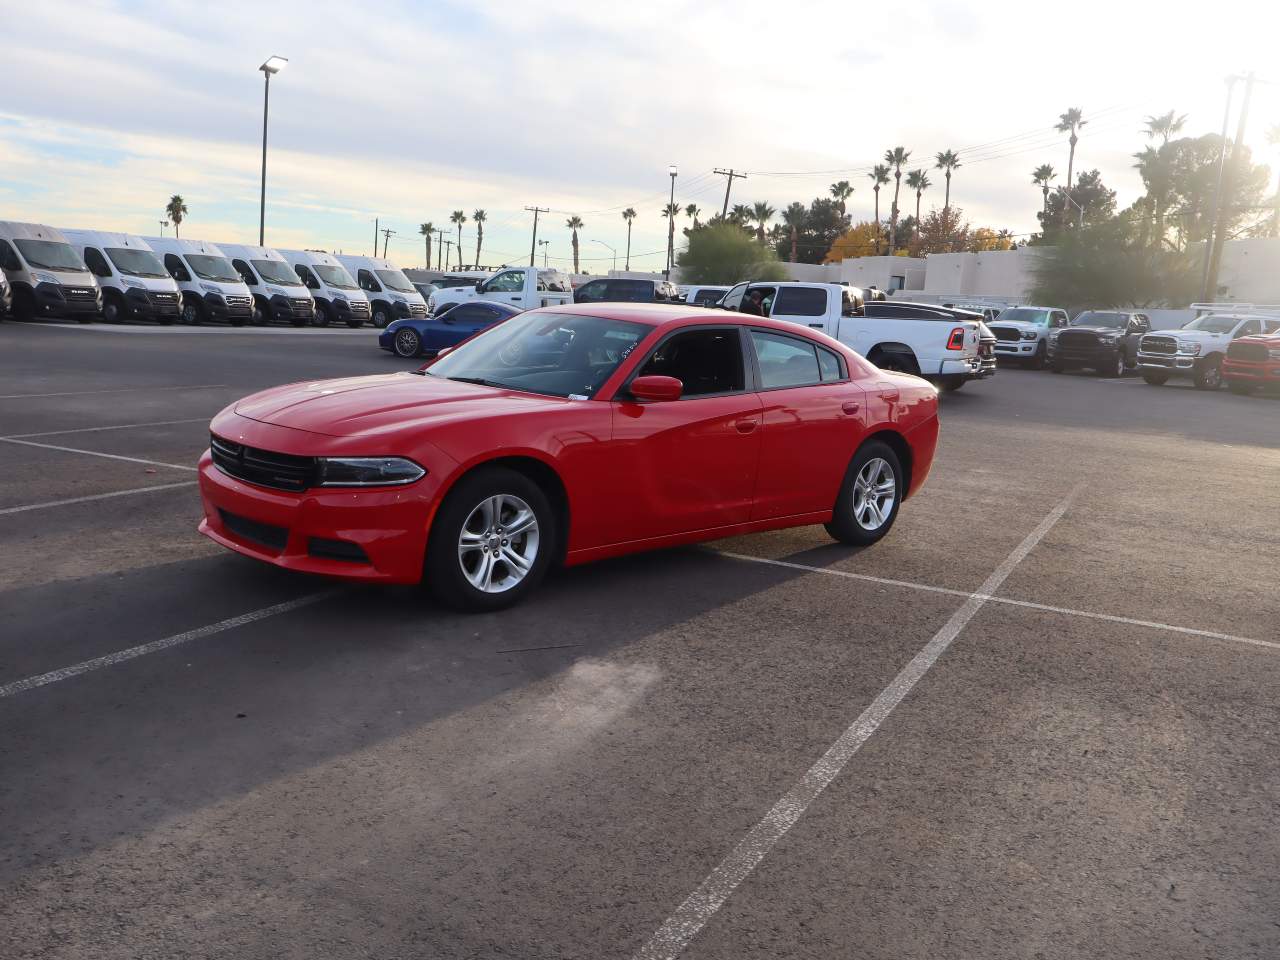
{"x":1213,"y":323}
{"x":276,"y":271}
{"x":136,"y":263}
{"x":51,"y":255}
{"x":213,"y":268}
{"x":333,"y":276}
{"x":1023,"y":315}
{"x":553,"y":354}
{"x":395,"y":280}
{"x":1095,"y":318}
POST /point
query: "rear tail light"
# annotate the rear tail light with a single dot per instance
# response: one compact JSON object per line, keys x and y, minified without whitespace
{"x":956,"y":340}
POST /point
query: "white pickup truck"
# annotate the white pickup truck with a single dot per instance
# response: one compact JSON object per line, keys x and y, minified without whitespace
{"x":946,"y":345}
{"x":521,"y":287}
{"x":1197,"y":349}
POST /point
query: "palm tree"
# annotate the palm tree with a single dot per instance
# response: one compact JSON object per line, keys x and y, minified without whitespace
{"x":692,"y":211}
{"x":479,"y":217}
{"x":946,"y":161}
{"x":628,"y":215}
{"x":1164,"y":126}
{"x":175,"y":210}
{"x":740,"y":214}
{"x":671,"y":211}
{"x":459,"y":218}
{"x":426,"y":230}
{"x":574,"y":223}
{"x":842,"y":191}
{"x":1070,"y":122}
{"x":762,"y":213}
{"x":794,"y":216}
{"x":895,"y":158}
{"x":1154,"y":164}
{"x":879,"y":176}
{"x":918,"y":181}
{"x":1041,"y":176}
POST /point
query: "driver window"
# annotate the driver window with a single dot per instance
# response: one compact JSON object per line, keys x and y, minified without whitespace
{"x":246,"y":274}
{"x":96,"y":262}
{"x":1250,"y":327}
{"x":511,"y":281}
{"x":1060,"y":319}
{"x":177,"y":269}
{"x":367,"y":282}
{"x":307,"y":277}
{"x":706,"y":361}
{"x":8,"y":259}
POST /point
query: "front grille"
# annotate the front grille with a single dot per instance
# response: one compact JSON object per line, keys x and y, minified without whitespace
{"x":359,"y":308}
{"x":1077,"y":340}
{"x":417,"y":310}
{"x":281,"y":471}
{"x":163,"y":299}
{"x":301,"y":304}
{"x":1007,"y":333}
{"x":83,"y":294}
{"x":235,"y":301}
{"x":1159,"y":345}
{"x":1250,"y":352}
{"x":263,"y":534}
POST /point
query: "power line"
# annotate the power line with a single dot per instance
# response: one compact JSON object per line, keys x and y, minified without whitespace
{"x":730,"y":174}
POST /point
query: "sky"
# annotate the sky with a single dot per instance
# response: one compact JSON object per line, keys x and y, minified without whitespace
{"x":404,"y":111}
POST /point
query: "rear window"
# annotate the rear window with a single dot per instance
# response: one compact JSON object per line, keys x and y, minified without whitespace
{"x":707,"y":297}
{"x":631,"y":290}
{"x":800,"y":302}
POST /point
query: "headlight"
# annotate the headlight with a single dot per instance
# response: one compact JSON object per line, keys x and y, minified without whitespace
{"x":368,"y":471}
{"x":210,"y":288}
{"x":131,"y":282}
{"x":44,"y":278}
{"x":1189,"y":346}
{"x":1028,"y":334}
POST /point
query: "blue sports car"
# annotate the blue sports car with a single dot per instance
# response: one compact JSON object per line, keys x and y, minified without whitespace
{"x":414,"y":337}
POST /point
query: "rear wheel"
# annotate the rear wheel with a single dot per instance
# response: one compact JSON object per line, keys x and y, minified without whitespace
{"x":406,"y":342}
{"x":898,"y":361}
{"x":951,"y":384}
{"x":867,"y":504}
{"x":1154,"y":378}
{"x":1208,"y":374}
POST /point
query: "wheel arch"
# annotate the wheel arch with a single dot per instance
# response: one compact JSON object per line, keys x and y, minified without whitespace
{"x":536,"y":469}
{"x":896,"y":442}
{"x":895,"y":348}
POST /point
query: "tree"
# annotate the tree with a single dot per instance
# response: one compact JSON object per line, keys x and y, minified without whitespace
{"x":895,"y":158}
{"x":809,"y":232}
{"x":841,"y":190}
{"x":1193,"y":177}
{"x":1098,"y":201}
{"x":947,"y":161}
{"x":574,"y":223}
{"x":1041,"y":176}
{"x":918,"y":181}
{"x":761,"y":213}
{"x":479,"y":217}
{"x":861,"y":240}
{"x":628,"y":215}
{"x":671,"y":211}
{"x":692,"y":211}
{"x":426,"y":230}
{"x":1164,"y":126}
{"x":722,"y":253}
{"x":458,"y":218}
{"x":1070,"y":122}
{"x":943,"y":231}
{"x":879,"y":176}
{"x":740,"y":214}
{"x":176,"y":210}
{"x":985,"y":239}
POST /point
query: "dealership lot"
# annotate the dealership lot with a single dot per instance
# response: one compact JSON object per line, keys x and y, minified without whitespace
{"x":1038,"y":720}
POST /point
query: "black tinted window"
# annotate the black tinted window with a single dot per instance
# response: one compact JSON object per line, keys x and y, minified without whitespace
{"x":307,"y":277}
{"x":367,"y":281}
{"x":470,"y":313}
{"x":8,"y":259}
{"x":705,"y":361}
{"x":707,"y":297}
{"x":96,"y":262}
{"x":589,"y":292}
{"x":635,"y":291}
{"x":785,"y":361}
{"x":800,"y":302}
{"x":246,"y":274}
{"x":177,"y":269}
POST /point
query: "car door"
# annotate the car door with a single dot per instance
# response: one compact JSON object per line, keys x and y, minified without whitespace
{"x":806,"y":306}
{"x":506,"y":287}
{"x":814,"y":417}
{"x":690,"y":464}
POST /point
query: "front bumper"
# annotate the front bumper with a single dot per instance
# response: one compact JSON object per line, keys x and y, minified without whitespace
{"x":1095,"y":358}
{"x":237,"y":308}
{"x":296,"y":310}
{"x":1016,"y":349}
{"x":381,"y":531}
{"x":1167,"y":362}
{"x":146,"y":304}
{"x":54,"y":300}
{"x":1262,"y":372}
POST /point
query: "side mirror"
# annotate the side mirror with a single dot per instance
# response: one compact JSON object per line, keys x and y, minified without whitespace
{"x":656,"y":389}
{"x":479,"y":286}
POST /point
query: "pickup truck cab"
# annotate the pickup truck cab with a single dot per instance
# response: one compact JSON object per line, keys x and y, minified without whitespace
{"x":521,"y":287}
{"x":1253,"y":361}
{"x":938,"y":343}
{"x":1104,"y":341}
{"x":1198,"y":349}
{"x":1022,"y":333}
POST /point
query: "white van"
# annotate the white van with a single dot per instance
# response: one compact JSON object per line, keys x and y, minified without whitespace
{"x":391,"y":295}
{"x":211,"y":288}
{"x":335,"y":291}
{"x":46,"y":275}
{"x":134,"y":282}
{"x":278,"y":294}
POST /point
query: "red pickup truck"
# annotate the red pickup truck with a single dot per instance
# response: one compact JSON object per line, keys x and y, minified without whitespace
{"x":1252,"y":362}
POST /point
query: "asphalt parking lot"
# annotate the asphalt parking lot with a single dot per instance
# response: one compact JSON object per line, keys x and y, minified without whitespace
{"x":1038,"y":720}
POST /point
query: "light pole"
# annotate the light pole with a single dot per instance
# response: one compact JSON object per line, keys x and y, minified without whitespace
{"x":544,"y":244}
{"x":272,"y":65}
{"x":163,"y":224}
{"x":671,"y":222}
{"x":611,"y":250}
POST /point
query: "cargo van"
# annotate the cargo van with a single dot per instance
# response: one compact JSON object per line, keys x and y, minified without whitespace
{"x":210,"y":287}
{"x":391,"y":295}
{"x":337,"y":296}
{"x":135,"y":284}
{"x":278,"y":294}
{"x":46,"y":276}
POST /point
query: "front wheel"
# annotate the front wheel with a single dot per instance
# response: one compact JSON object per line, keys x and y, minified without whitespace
{"x":1041,"y":357}
{"x":1209,"y":374}
{"x":406,"y":342}
{"x":869,"y":497}
{"x":1155,"y":379}
{"x":492,"y":541}
{"x":191,"y":312}
{"x":1115,"y":368}
{"x":112,"y":310}
{"x":321,"y":318}
{"x":381,"y":316}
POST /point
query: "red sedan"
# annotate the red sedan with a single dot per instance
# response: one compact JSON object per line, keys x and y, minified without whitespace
{"x":567,"y":434}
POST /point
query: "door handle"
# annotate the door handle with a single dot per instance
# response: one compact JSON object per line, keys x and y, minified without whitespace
{"x":851,"y":407}
{"x":746,"y":426}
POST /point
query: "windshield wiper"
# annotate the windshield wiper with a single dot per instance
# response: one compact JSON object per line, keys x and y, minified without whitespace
{"x":478,"y":381}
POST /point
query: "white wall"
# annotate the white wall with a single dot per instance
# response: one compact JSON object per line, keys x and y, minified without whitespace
{"x":1250,"y":270}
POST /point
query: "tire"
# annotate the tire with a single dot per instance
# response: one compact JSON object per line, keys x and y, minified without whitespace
{"x":951,"y":384}
{"x":464,"y":529}
{"x":1155,"y":379}
{"x":1058,"y":366}
{"x":191,"y":312}
{"x":1240,"y":388}
{"x":382,"y":316}
{"x":406,"y":342}
{"x":895,"y":360}
{"x":322,"y":317}
{"x":1114,"y":369}
{"x":1040,"y":358}
{"x":860,"y":517}
{"x":1208,"y":374}
{"x":112,"y":310}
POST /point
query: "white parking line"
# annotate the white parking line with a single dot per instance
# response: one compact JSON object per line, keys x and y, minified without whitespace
{"x":111,"y":659}
{"x":87,"y":393}
{"x":95,"y":496}
{"x":95,"y":453}
{"x":114,"y":426}
{"x":692,"y":915}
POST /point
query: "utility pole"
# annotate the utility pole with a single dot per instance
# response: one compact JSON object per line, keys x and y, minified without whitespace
{"x":671,"y":223}
{"x":448,"y":251}
{"x":375,"y":236}
{"x":533,"y":248}
{"x":544,"y":244}
{"x":731,"y":174}
{"x":1224,"y":198}
{"x":440,"y":264}
{"x":387,"y":233}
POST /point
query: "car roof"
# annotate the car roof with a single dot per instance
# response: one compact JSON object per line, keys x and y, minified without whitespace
{"x":662,"y":314}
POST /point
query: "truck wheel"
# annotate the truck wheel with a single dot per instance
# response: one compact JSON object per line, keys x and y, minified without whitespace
{"x":1240,"y":388}
{"x":112,"y":309}
{"x":869,"y":497}
{"x":951,"y":384}
{"x":1040,"y":359}
{"x":321,"y":318}
{"x":1115,"y":368}
{"x":1209,"y":374}
{"x":895,"y":360}
{"x":1155,"y":379}
{"x":191,"y":312}
{"x":381,"y":315}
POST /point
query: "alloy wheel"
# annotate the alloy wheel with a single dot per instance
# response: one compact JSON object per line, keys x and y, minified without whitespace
{"x":874,"y":491}
{"x":498,"y":543}
{"x":407,"y":343}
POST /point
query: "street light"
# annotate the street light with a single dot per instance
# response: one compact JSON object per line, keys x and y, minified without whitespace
{"x":272,"y":65}
{"x":163,"y":224}
{"x":544,"y":244}
{"x":611,"y":250}
{"x":671,"y":223}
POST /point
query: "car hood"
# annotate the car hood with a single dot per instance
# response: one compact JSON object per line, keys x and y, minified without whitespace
{"x":356,"y":406}
{"x":1269,"y":339}
{"x":1092,"y":329}
{"x":1019,"y":324}
{"x":1194,"y":336}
